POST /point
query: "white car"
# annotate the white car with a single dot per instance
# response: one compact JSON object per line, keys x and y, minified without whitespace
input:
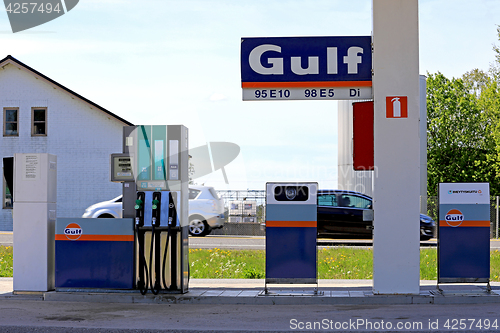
{"x":206,"y":210}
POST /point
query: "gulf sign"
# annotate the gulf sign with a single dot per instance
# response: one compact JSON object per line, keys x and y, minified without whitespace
{"x":319,"y":67}
{"x":454,"y":218}
{"x":73,"y":231}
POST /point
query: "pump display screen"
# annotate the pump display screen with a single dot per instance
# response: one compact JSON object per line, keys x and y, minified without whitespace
{"x":121,"y":168}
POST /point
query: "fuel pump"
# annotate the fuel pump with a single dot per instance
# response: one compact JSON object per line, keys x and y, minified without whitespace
{"x":158,"y":190}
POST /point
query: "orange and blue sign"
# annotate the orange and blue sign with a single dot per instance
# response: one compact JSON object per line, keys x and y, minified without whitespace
{"x":291,"y":232}
{"x":464,"y":233}
{"x":306,"y":61}
{"x":94,"y":253}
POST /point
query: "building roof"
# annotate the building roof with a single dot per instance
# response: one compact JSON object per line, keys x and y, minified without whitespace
{"x":11,"y":60}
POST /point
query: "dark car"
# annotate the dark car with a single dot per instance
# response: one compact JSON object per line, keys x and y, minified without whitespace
{"x":348,"y":214}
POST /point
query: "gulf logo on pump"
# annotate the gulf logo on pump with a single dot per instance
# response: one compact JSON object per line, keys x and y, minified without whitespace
{"x":73,"y":231}
{"x":454,"y":218}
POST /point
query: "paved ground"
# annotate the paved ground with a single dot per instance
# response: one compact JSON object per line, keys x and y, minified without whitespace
{"x":22,"y":316}
{"x":83,"y":312}
{"x":6,"y":238}
{"x":29,"y":313}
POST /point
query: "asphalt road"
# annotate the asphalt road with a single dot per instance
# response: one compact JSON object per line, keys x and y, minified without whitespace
{"x":5,"y":238}
{"x":45,"y":316}
{"x":258,"y":243}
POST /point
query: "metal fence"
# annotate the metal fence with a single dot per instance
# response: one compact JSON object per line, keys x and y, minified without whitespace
{"x":247,"y":225}
{"x":429,"y":206}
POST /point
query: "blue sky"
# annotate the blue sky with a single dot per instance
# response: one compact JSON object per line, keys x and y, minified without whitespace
{"x":177,"y":62}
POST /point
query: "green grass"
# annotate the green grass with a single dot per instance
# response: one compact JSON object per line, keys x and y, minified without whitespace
{"x":333,"y":263}
{"x":227,"y":264}
{"x":428,"y":264}
{"x":495,"y":266}
{"x":5,"y":261}
{"x":345,"y":263}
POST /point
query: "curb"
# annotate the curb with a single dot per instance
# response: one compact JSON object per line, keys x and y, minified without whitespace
{"x":252,"y":297}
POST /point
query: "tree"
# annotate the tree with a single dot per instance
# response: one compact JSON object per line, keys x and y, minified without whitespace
{"x":476,"y":80}
{"x":495,"y":67}
{"x":460,"y":145}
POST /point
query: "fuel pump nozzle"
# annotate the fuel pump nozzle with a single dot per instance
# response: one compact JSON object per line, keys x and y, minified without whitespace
{"x":155,"y":221}
{"x":139,"y":209}
{"x":156,"y":243}
{"x":142,"y":283}
{"x":172,"y":221}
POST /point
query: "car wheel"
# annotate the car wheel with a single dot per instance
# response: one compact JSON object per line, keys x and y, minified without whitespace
{"x":198,"y":226}
{"x":106,"y":216}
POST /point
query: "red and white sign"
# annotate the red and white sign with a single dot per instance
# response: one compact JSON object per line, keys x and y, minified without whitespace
{"x":396,"y":106}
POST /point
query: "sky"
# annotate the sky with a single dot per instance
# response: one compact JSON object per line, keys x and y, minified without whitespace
{"x":178,"y":62}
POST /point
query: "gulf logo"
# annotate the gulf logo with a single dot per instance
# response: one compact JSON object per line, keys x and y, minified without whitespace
{"x":454,"y":218}
{"x":73,"y":231}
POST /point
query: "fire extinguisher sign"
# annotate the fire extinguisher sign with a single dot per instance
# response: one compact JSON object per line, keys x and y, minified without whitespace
{"x":396,"y":106}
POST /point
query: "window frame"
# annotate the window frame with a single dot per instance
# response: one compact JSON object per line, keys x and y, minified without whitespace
{"x":5,"y":109}
{"x":37,"y":122}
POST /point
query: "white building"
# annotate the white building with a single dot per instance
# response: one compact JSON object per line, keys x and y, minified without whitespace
{"x":243,"y":211}
{"x":42,"y":116}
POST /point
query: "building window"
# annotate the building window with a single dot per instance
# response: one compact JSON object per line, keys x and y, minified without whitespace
{"x":10,"y":121}
{"x":39,"y":121}
{"x":7,"y":196}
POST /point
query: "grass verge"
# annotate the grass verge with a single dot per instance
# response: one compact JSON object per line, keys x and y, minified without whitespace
{"x":5,"y":261}
{"x":333,"y":263}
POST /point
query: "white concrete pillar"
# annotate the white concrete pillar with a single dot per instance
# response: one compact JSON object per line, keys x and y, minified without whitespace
{"x":34,"y":215}
{"x":396,"y":188}
{"x":423,"y":144}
